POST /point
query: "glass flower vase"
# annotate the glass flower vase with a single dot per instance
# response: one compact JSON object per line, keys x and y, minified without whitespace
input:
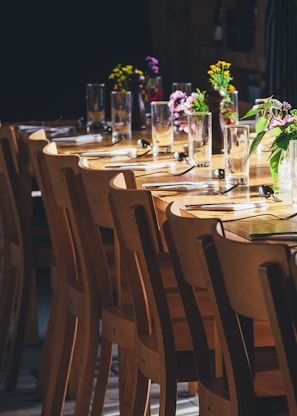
{"x":281,"y":172}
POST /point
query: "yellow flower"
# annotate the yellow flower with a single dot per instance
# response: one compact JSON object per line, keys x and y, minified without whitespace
{"x":220,"y":76}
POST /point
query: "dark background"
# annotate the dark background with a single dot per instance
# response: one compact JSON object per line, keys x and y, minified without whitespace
{"x":50,"y":50}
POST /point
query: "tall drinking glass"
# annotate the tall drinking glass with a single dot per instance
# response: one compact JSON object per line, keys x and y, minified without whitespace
{"x":199,"y":139}
{"x":95,"y":102}
{"x":236,"y":152}
{"x":162,"y":127}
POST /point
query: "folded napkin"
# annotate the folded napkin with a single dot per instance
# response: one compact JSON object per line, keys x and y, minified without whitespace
{"x":118,"y":152}
{"x":139,"y":166}
{"x":236,"y":206}
{"x":179,"y":186}
{"x":77,"y":140}
{"x":51,"y":130}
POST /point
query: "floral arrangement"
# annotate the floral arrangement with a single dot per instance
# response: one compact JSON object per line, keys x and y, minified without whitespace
{"x":220,"y":76}
{"x":180,"y":103}
{"x":151,"y":89}
{"x":277,"y":119}
{"x":119,"y":76}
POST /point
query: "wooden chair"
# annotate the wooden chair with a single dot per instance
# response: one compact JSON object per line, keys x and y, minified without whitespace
{"x":180,"y":233}
{"x":26,"y":247}
{"x":82,"y":193}
{"x":57,"y":353}
{"x":118,"y":320}
{"x":165,"y":349}
{"x":83,"y":298}
{"x":281,"y":301}
{"x":238,"y":300}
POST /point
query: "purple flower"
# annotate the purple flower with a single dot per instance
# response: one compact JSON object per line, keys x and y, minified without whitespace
{"x":151,"y":60}
{"x":152,"y":64}
{"x":286,"y":106}
{"x":177,"y":100}
{"x":288,"y":119}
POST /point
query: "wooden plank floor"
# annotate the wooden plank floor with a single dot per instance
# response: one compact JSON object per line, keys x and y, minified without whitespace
{"x":22,"y":402}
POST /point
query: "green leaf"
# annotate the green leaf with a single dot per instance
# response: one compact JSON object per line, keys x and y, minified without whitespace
{"x":250,"y":113}
{"x":274,"y":162}
{"x":256,"y":142}
{"x":261,"y":124}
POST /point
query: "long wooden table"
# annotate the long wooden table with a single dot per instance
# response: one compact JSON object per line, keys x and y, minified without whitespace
{"x":259,"y":175}
{"x":234,"y":222}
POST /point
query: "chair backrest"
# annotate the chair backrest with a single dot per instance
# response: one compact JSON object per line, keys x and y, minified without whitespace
{"x":63,"y":253}
{"x":191,"y":274}
{"x":96,"y":184}
{"x":139,"y":236}
{"x":10,"y":193}
{"x":238,"y":300}
{"x":281,"y":302}
{"x":96,"y":192}
{"x":69,"y":196}
{"x":16,"y":256}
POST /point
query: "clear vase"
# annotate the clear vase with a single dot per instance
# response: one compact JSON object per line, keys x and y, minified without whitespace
{"x":281,"y":174}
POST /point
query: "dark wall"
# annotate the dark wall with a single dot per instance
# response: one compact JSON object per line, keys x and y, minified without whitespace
{"x":49,"y":51}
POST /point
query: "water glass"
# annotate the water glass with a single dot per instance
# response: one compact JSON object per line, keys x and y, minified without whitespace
{"x":162,"y":127}
{"x":236,"y":153}
{"x":121,"y":115}
{"x":182,"y":86}
{"x":293,"y":165}
{"x":234,"y":100}
{"x":95,"y":103}
{"x":199,"y":138}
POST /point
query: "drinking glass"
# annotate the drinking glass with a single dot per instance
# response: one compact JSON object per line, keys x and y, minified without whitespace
{"x":121,"y":114}
{"x":182,"y":86}
{"x":293,"y":167}
{"x":199,"y":138}
{"x":162,"y":127}
{"x":95,"y":102}
{"x":236,"y":153}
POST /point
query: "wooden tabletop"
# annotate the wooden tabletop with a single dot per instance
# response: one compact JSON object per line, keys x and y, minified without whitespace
{"x":240,"y":223}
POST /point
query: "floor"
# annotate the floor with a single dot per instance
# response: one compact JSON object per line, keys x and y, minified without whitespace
{"x":22,"y":402}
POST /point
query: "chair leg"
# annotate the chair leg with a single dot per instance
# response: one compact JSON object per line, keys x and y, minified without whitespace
{"x":141,"y":398}
{"x":168,"y":396}
{"x":59,"y":373}
{"x":46,"y":358}
{"x":18,"y":336}
{"x":88,"y":366}
{"x":31,"y":332}
{"x":75,"y":368}
{"x":102,"y":377}
{"x":7,"y":301}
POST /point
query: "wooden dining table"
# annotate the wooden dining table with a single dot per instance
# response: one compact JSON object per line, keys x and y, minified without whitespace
{"x":164,"y":168}
{"x":204,"y":185}
{"x":104,"y":153}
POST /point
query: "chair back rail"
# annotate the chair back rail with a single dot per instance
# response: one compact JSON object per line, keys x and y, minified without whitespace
{"x":238,"y":301}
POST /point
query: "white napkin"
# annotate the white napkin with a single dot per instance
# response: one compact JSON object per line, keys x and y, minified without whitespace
{"x":179,"y":186}
{"x":52,"y":130}
{"x":77,"y":140}
{"x":227,"y":206}
{"x":139,"y":166}
{"x":118,"y":152}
